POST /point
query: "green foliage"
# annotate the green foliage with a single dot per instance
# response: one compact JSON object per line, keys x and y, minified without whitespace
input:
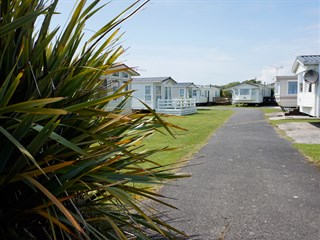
{"x":226,"y":93}
{"x":252,"y":81}
{"x":224,"y":89}
{"x":68,"y":166}
{"x":229,"y":85}
{"x":267,"y":110}
{"x":310,"y":150}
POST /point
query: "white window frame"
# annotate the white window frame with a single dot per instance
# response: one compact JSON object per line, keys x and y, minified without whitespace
{"x":147,"y":93}
{"x":124,"y":75}
{"x":158,"y":90}
{"x":181,"y":93}
{"x":194,"y":93}
{"x":116,"y":74}
{"x":246,"y":93}
{"x":277,"y":88}
{"x":167,"y":93}
{"x":290,"y":88}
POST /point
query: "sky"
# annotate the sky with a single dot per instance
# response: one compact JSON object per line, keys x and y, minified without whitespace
{"x":212,"y":41}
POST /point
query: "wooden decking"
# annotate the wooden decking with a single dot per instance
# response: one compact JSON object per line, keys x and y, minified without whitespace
{"x":177,"y":106}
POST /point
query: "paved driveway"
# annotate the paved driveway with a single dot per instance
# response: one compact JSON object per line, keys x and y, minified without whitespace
{"x":252,"y":181}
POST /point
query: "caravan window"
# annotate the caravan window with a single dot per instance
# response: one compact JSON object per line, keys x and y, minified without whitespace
{"x":124,"y":74}
{"x":244,"y":91}
{"x":147,"y":93}
{"x":277,"y":88}
{"x":115,"y":85}
{"x":181,"y":93}
{"x":158,"y":90}
{"x":116,"y":74}
{"x":167,"y":92}
{"x":194,"y":93}
{"x":292,"y":87}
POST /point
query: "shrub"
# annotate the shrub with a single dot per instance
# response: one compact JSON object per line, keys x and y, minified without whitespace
{"x":68,"y":166}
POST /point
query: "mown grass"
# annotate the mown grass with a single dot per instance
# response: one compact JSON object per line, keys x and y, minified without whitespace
{"x":267,"y":110}
{"x":282,"y":121}
{"x":312,"y":151}
{"x":200,"y":127}
{"x":220,"y":106}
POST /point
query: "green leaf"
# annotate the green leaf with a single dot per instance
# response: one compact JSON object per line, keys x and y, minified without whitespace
{"x":55,"y":201}
{"x":7,"y":89}
{"x":126,"y":198}
{"x":63,"y":141}
{"x":33,"y":106}
{"x":10,"y":27}
{"x":22,"y":149}
{"x":94,"y":102}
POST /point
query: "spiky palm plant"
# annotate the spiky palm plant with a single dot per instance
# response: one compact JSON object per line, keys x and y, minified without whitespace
{"x":68,"y":167}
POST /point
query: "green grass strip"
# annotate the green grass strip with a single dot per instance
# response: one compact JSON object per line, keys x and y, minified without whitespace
{"x":312,"y":151}
{"x":200,"y":127}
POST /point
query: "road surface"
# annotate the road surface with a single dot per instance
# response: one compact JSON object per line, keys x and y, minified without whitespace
{"x":252,"y":184}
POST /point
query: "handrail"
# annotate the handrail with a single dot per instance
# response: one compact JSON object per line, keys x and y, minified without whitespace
{"x":177,"y":103}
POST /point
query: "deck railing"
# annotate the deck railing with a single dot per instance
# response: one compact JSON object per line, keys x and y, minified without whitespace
{"x":176,"y":103}
{"x":179,"y":106}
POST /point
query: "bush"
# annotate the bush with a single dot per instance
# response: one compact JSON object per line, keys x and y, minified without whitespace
{"x":68,"y":166}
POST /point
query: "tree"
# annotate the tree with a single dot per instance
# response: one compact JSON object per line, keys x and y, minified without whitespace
{"x":68,"y":167}
{"x":229,"y":85}
{"x":224,"y":89}
{"x":252,"y":81}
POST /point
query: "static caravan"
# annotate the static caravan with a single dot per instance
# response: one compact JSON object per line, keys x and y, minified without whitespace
{"x":207,"y":94}
{"x":307,"y":68}
{"x":285,"y":91}
{"x":120,"y":75}
{"x":185,"y":90}
{"x":247,"y":93}
{"x":150,"y":90}
{"x":158,"y":94}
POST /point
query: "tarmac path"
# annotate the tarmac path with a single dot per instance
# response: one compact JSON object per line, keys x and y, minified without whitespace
{"x":252,"y":184}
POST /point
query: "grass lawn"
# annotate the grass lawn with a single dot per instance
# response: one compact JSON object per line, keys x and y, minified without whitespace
{"x":277,"y":122}
{"x":270,"y":109}
{"x":200,"y":127}
{"x":312,"y":151}
{"x":220,"y":106}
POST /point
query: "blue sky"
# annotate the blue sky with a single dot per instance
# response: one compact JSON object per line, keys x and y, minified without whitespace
{"x":214,"y":41}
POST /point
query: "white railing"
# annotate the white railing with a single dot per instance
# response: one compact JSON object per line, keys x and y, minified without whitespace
{"x":179,"y":106}
{"x":179,"y":103}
